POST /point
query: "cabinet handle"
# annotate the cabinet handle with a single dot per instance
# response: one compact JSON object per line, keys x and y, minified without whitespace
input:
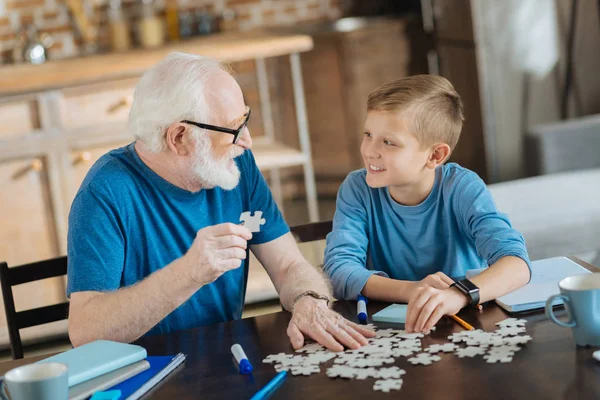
{"x":36,"y":165}
{"x":124,"y":102}
{"x":85,"y":156}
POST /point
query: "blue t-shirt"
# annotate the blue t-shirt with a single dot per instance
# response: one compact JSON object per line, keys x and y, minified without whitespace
{"x":456,"y":228}
{"x":127,"y":222}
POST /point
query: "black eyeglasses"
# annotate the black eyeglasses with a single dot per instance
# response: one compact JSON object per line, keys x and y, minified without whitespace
{"x":234,"y":132}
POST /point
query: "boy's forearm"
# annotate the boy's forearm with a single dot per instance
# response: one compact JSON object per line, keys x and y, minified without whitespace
{"x":387,"y":289}
{"x":504,"y":276}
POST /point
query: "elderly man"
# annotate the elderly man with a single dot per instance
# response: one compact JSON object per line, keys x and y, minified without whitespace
{"x":155,"y":243}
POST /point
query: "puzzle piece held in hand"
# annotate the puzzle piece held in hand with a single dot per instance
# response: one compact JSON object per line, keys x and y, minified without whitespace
{"x":254,"y":222}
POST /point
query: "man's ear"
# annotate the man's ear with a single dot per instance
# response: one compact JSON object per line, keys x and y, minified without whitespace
{"x":439,"y":154}
{"x":177,"y":139}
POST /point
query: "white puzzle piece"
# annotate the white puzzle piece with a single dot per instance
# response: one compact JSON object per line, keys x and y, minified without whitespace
{"x":424,"y":359}
{"x":385,"y":385}
{"x":254,"y":222}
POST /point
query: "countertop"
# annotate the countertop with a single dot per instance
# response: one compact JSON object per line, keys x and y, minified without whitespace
{"x":230,"y":47}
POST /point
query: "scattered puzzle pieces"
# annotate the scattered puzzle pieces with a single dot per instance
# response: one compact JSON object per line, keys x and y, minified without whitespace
{"x":424,"y":359}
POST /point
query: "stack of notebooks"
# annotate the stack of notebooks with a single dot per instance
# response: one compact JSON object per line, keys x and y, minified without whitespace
{"x":106,"y":365}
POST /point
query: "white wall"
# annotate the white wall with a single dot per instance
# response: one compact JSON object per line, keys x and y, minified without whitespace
{"x":519,"y":38}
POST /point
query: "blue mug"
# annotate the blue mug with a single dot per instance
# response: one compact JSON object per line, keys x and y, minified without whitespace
{"x":581,"y":296}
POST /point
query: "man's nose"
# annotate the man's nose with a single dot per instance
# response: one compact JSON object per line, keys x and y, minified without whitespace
{"x":245,"y":141}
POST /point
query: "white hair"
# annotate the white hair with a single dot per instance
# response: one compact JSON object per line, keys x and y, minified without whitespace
{"x":172,"y":91}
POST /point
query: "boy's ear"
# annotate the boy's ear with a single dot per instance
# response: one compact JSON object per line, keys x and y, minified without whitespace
{"x":439,"y":154}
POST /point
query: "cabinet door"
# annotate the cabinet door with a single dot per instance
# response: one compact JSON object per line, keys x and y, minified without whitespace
{"x":28,"y":232}
{"x":18,"y":118}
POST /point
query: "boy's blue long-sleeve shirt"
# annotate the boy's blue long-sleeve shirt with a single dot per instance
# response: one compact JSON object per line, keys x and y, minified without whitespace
{"x":456,"y":228}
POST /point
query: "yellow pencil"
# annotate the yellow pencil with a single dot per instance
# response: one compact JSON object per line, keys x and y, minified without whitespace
{"x":462,"y":322}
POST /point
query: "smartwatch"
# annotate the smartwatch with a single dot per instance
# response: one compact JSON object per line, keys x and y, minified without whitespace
{"x":469,"y":289}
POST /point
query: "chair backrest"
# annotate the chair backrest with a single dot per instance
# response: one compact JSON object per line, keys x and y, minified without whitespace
{"x":10,"y":277}
{"x":312,"y":232}
{"x":315,"y":232}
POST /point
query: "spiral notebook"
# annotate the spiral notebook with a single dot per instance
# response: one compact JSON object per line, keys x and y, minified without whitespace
{"x":160,"y":366}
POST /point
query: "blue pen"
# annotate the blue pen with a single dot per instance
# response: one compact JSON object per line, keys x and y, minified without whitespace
{"x":241,"y":359}
{"x":361,"y":311}
{"x":269,"y":387}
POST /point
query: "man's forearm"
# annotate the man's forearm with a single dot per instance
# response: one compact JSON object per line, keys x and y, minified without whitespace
{"x":299,"y":278}
{"x":128,"y":313}
{"x":387,"y":289}
{"x":504,"y":276}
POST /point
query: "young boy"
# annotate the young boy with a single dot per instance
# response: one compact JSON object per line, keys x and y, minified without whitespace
{"x":407,"y":223}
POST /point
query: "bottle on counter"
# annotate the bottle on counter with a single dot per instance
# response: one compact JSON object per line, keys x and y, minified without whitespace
{"x":151,"y":28}
{"x":119,"y":30}
{"x":172,"y":19}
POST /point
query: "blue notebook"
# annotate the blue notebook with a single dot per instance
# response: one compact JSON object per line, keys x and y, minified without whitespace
{"x":97,"y":358}
{"x":396,"y":313}
{"x":160,"y":366}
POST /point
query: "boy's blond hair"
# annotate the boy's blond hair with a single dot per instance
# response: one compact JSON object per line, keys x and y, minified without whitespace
{"x":430,"y":104}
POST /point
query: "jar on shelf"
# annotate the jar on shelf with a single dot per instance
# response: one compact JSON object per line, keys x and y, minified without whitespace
{"x":151,"y":26}
{"x":119,"y":29}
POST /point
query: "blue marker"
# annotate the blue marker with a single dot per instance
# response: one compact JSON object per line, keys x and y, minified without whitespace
{"x":241,"y":359}
{"x":269,"y":387}
{"x":361,"y":311}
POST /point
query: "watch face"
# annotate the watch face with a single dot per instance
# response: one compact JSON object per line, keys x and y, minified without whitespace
{"x":467,"y":284}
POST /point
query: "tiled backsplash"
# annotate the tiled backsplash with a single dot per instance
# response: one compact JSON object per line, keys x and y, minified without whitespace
{"x":53,"y":17}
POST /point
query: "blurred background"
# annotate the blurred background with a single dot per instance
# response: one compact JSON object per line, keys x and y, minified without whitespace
{"x":526,"y":70}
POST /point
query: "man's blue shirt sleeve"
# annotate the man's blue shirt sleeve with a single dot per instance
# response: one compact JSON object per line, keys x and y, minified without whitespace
{"x":95,"y":244}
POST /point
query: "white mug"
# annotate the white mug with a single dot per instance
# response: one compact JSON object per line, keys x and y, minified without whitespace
{"x":44,"y":381}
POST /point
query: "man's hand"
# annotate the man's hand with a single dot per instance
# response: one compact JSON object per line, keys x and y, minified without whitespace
{"x":312,"y":317}
{"x":428,"y":304}
{"x":216,"y":250}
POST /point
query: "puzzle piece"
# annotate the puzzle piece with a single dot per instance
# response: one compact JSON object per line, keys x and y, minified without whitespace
{"x":271,"y":358}
{"x":341,"y":371}
{"x":514,"y":340}
{"x":446,"y":348}
{"x":385,"y":385}
{"x":253,"y":223}
{"x":511,"y":330}
{"x":305,"y":370}
{"x":499,"y":357}
{"x":511,"y":322}
{"x":310,"y":348}
{"x":424,"y":359}
{"x":470,"y":351}
{"x":390,"y":372}
{"x":364,"y":373}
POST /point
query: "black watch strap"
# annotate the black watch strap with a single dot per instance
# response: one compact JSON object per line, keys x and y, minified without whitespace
{"x":469,"y":289}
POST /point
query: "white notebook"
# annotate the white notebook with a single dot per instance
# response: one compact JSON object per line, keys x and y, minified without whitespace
{"x":545,"y":276}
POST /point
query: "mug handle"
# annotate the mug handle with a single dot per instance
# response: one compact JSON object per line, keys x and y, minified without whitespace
{"x":550,"y":312}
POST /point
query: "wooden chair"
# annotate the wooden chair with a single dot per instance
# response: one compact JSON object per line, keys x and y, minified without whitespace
{"x":311,"y":232}
{"x":16,"y":321}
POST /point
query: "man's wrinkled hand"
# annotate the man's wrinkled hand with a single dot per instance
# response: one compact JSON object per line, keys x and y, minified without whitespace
{"x":312,"y":318}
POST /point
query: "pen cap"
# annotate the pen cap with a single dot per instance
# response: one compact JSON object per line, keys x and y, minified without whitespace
{"x":245,"y":366}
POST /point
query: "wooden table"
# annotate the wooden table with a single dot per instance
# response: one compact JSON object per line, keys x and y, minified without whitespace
{"x":549,"y":367}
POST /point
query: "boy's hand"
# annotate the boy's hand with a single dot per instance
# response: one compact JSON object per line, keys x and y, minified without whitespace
{"x":428,"y":304}
{"x":439,"y":280}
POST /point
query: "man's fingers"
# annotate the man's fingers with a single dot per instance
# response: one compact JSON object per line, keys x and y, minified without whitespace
{"x":356,"y":335}
{"x":231,"y":229}
{"x":227,"y":241}
{"x":339,"y":333}
{"x":233,"y":252}
{"x":324,"y":338}
{"x":296,"y":337}
{"x":363,"y":330}
{"x":231,"y":263}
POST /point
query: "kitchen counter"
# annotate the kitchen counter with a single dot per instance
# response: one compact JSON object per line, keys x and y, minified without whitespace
{"x":231,"y":47}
